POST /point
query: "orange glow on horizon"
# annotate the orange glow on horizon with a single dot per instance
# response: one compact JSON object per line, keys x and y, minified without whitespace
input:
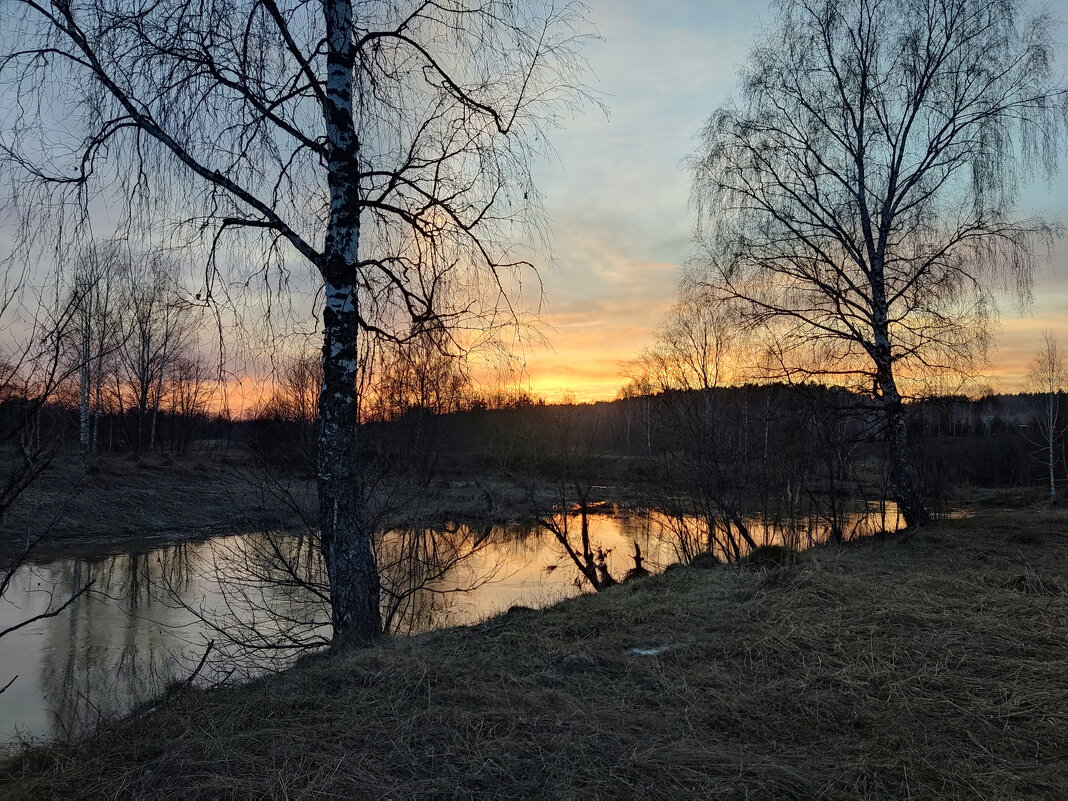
{"x":585,"y":375}
{"x":590,"y":341}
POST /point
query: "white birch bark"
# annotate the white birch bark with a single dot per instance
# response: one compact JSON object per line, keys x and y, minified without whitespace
{"x":346,"y":542}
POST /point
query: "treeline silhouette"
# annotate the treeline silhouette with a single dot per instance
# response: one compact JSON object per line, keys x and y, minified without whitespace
{"x":773,"y":444}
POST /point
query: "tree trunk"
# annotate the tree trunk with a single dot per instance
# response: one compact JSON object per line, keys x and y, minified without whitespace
{"x":902,"y":485}
{"x":731,"y":515}
{"x":94,"y":443}
{"x":142,"y":413}
{"x":1051,"y":426}
{"x":83,"y":401}
{"x":345,"y":540}
{"x":1052,"y":477}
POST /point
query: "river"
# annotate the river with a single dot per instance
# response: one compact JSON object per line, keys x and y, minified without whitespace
{"x":150,"y":615}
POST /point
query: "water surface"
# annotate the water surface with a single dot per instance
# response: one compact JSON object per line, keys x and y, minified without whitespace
{"x":151,"y":614}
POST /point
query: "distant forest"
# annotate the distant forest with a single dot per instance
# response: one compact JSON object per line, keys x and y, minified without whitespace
{"x":753,"y":439}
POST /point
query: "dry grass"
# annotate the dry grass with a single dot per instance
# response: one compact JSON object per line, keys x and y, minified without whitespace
{"x":128,"y":501}
{"x":933,"y":667}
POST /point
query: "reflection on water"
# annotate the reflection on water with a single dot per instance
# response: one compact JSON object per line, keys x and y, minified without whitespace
{"x":152,"y":614}
{"x":122,"y":642}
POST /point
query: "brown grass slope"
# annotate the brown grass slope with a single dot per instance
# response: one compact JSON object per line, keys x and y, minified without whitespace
{"x":129,"y":501}
{"x":933,"y":667}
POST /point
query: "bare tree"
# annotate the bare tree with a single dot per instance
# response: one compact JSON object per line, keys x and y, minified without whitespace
{"x":95,"y":334}
{"x":703,"y":465}
{"x":1047,"y":377}
{"x":32,"y":371}
{"x":690,"y":350}
{"x":385,"y":144}
{"x":284,"y":430}
{"x":419,"y":374}
{"x":32,"y":368}
{"x":298,"y":391}
{"x":157,"y":332}
{"x":189,"y":392}
{"x":859,"y":201}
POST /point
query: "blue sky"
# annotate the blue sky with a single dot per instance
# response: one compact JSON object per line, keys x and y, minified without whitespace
{"x":618,"y":194}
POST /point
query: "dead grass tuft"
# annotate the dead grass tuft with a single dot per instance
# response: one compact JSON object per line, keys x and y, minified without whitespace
{"x":1032,"y":584}
{"x":765,"y":557}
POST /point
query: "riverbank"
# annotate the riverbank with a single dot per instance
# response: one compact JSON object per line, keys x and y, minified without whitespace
{"x":122,"y":501}
{"x":126,"y":502}
{"x":925,"y":667}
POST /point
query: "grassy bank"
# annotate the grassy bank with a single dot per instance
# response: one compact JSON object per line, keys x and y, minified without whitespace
{"x":127,"y":501}
{"x":136,"y":502}
{"x":928,"y":667}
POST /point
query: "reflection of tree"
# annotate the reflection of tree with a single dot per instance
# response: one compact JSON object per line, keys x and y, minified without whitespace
{"x":270,"y":596}
{"x":688,"y":535}
{"x":420,"y":573}
{"x":119,"y":647}
{"x":262,"y":598}
{"x":568,"y":464}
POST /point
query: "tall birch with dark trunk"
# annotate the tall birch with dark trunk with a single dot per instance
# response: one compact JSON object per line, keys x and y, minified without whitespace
{"x":858,"y":201}
{"x":385,"y":145}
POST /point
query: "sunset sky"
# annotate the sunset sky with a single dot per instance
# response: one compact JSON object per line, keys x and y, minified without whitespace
{"x":617,"y":198}
{"x":618,"y":195}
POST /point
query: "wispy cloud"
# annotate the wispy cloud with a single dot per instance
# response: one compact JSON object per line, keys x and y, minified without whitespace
{"x":618,"y":198}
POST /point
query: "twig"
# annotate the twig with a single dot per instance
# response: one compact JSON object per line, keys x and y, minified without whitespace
{"x":200,"y":666}
{"x":52,"y":613}
{"x":2,"y":689}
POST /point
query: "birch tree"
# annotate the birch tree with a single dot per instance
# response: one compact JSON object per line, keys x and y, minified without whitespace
{"x":859,"y":199}
{"x":157,"y":332}
{"x":384,"y":144}
{"x":1047,"y":377}
{"x":95,"y":330}
{"x":33,"y":369}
